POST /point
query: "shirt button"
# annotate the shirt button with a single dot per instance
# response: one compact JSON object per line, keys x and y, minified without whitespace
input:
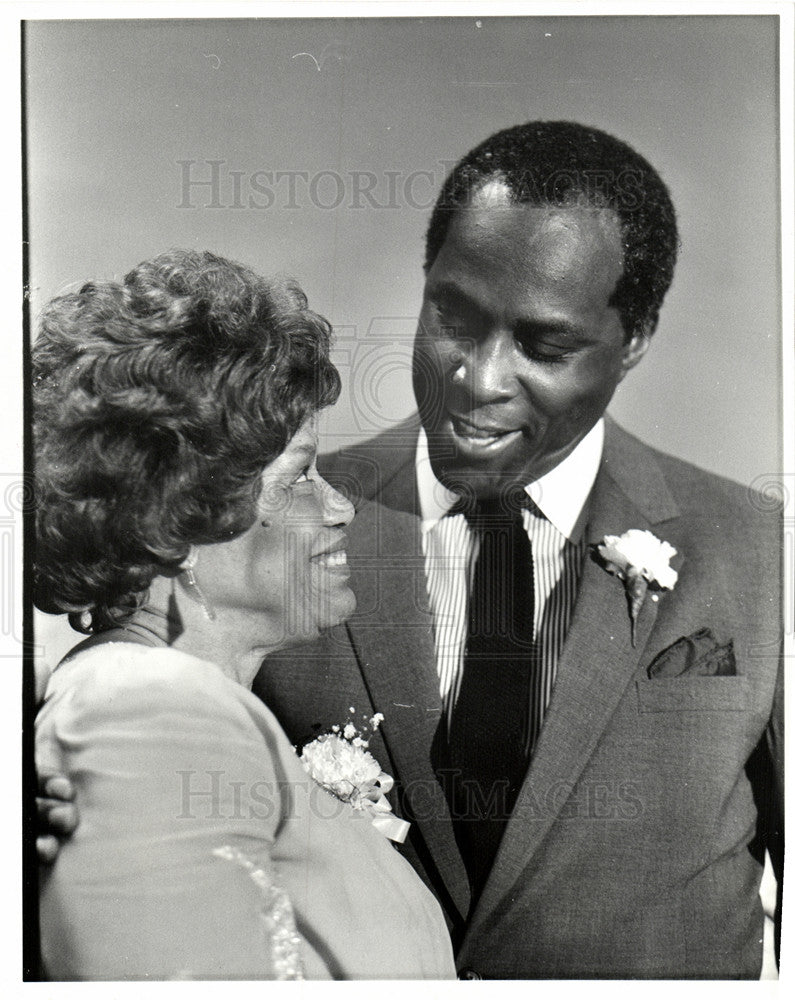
{"x":469,"y":974}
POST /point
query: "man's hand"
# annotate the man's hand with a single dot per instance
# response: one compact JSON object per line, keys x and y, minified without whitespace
{"x":57,"y":815}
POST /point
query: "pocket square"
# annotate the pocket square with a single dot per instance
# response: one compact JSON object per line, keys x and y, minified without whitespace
{"x":698,"y":655}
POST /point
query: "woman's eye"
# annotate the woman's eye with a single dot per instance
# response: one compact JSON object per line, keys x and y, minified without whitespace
{"x":303,"y":478}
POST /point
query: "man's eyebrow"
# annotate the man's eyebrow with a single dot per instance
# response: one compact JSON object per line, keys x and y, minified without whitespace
{"x":447,"y":290}
{"x":527,"y":327}
{"x":448,"y":294}
{"x":559,"y":327}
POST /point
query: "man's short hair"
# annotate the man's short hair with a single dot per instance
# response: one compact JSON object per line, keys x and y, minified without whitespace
{"x":566,"y":164}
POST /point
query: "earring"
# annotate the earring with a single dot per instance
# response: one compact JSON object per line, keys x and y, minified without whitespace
{"x":191,"y":584}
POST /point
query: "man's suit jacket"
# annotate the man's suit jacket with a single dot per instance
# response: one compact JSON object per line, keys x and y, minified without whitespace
{"x":636,"y":843}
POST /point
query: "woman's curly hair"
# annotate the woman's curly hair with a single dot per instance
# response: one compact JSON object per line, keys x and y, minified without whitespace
{"x":157,"y":402}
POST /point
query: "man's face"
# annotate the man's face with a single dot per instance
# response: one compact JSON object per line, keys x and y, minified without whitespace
{"x":518,"y":352}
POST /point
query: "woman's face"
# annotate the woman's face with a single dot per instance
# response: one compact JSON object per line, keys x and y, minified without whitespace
{"x":290,"y":566}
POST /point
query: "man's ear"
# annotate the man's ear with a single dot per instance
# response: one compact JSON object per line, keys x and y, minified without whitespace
{"x":634,"y":349}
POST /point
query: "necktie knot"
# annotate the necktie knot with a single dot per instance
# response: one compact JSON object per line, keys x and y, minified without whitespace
{"x":494,"y":512}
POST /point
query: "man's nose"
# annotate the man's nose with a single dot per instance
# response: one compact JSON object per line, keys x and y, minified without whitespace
{"x":488,"y":369}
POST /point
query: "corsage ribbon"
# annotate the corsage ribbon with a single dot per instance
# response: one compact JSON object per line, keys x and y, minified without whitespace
{"x":382,"y":819}
{"x":340,"y":763}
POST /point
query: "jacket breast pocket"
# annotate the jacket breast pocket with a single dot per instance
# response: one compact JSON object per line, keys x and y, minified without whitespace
{"x":694,"y":694}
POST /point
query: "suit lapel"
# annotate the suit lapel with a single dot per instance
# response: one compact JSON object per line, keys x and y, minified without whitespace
{"x":597,"y":662}
{"x":392,"y":635}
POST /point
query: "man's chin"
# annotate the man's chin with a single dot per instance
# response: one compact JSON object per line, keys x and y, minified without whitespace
{"x":478,"y":481}
{"x":486,"y":465}
{"x":482,"y":467}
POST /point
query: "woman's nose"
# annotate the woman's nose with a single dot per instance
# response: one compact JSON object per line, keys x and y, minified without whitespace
{"x":337,"y":508}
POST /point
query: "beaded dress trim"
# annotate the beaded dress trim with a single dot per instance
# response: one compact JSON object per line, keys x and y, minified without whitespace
{"x":277,"y":917}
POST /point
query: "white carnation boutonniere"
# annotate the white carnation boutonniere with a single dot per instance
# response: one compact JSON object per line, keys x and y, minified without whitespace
{"x":340,"y":762}
{"x":641,"y":560}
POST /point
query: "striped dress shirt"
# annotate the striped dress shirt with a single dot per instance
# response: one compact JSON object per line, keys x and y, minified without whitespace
{"x":554,"y":522}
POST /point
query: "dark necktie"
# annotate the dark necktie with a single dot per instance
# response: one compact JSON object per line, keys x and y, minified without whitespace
{"x":490,"y":718}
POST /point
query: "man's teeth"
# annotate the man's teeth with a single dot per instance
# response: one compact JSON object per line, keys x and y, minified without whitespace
{"x":482,"y":434}
{"x":475,"y":432}
{"x":332,"y":559}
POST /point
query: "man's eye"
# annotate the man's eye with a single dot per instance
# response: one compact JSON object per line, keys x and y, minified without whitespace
{"x":303,"y":478}
{"x":451,"y":324}
{"x":543,"y":352}
{"x":450,"y":320}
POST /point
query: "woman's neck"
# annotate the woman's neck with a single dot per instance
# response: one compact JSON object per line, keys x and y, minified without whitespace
{"x":154,"y":626}
{"x":234,"y":640}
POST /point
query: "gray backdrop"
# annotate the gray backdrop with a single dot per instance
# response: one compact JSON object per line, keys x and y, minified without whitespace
{"x":315,"y":148}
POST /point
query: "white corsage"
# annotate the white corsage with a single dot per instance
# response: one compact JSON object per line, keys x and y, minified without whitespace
{"x":641,"y":560}
{"x":340,"y":762}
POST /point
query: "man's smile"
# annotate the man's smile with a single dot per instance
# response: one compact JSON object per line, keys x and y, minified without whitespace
{"x":481,"y":435}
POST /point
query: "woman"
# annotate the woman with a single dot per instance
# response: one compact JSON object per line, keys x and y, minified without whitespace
{"x":182,"y":522}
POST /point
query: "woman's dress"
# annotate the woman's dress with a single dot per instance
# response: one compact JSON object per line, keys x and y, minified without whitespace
{"x":204,"y":850}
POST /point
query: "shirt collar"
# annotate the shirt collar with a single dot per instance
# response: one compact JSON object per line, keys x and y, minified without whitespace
{"x":560,"y":495}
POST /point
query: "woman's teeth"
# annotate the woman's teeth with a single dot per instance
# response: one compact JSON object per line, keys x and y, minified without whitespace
{"x":332,"y":559}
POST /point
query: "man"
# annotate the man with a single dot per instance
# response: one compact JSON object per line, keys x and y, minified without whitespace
{"x":635,"y":842}
{"x":592,"y":769}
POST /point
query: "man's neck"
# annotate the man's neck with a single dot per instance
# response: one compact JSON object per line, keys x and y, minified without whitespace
{"x":561,"y":494}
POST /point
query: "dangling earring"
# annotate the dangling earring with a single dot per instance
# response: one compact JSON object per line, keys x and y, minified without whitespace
{"x":191,"y":584}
